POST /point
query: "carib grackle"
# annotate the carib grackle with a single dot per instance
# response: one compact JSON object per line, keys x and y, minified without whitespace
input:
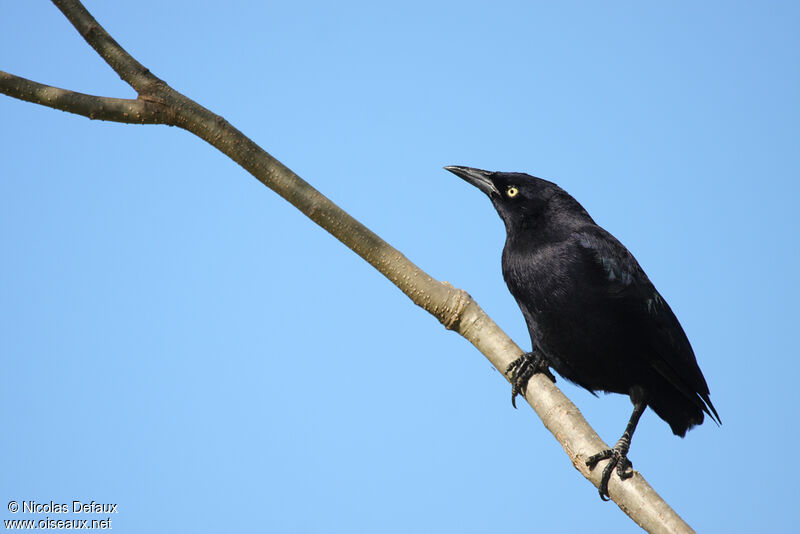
{"x":592,"y":313}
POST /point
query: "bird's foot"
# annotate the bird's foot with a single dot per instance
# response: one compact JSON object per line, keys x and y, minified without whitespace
{"x":617,"y":457}
{"x":522,"y":369}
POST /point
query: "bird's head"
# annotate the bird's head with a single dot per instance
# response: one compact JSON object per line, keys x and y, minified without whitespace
{"x":524,"y":201}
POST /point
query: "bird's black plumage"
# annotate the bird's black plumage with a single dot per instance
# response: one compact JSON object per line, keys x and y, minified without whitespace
{"x":592,"y":313}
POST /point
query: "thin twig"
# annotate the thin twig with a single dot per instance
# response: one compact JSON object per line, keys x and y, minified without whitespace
{"x":130,"y":70}
{"x":137,"y":111}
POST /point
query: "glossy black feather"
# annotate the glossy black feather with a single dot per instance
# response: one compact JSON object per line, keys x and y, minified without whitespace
{"x":589,"y":306}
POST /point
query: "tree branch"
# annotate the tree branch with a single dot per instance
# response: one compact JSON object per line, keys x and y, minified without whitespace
{"x":130,"y":70}
{"x":138,"y":111}
{"x":160,"y":104}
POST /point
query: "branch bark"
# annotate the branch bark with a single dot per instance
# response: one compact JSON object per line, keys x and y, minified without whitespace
{"x":158,"y":103}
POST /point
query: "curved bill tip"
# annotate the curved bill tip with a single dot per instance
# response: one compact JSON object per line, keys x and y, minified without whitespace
{"x":477,"y":177}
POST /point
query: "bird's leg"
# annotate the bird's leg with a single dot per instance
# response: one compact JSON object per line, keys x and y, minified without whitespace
{"x":523,"y":368}
{"x":618,"y":456}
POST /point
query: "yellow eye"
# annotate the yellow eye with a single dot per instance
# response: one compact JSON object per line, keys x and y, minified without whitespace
{"x":512,"y":191}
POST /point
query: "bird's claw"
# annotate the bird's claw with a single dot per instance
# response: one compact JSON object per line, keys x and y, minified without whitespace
{"x":617,"y":457}
{"x":522,"y":369}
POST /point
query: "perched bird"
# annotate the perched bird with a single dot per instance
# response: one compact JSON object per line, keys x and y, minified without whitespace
{"x":592,"y":313}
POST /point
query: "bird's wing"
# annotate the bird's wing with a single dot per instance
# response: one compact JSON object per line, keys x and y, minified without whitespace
{"x":672,"y":354}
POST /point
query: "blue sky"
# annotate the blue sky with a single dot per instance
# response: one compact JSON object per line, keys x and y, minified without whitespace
{"x":179,"y":340}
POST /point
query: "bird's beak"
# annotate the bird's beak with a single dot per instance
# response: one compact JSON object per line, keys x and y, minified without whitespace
{"x":477,"y":177}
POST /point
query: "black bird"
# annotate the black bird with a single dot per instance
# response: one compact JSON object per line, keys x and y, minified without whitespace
{"x":592,"y":313}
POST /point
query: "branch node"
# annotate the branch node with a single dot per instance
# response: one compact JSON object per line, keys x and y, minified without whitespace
{"x":454,"y":307}
{"x":90,"y":29}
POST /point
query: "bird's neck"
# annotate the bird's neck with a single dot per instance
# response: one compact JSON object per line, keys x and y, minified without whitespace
{"x":531,"y":233}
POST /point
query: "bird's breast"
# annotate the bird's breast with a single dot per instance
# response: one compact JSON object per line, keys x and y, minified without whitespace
{"x":565,"y":318}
